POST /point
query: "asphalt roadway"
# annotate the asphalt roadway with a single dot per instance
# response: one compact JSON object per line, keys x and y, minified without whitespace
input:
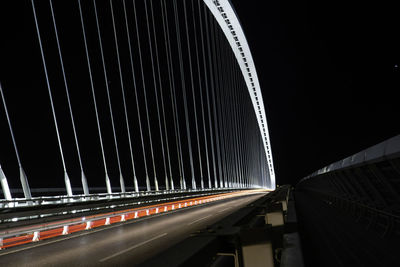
{"x":123,"y":244}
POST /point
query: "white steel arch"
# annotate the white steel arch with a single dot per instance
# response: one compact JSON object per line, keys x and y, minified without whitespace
{"x":227,"y":19}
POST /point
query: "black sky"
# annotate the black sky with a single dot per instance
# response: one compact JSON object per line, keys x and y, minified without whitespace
{"x":329,"y":77}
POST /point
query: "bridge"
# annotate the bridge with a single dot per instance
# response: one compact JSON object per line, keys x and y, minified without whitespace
{"x":138,"y":135}
{"x":128,"y":109}
{"x":161,"y":86}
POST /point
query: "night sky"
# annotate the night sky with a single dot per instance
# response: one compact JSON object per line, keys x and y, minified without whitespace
{"x":329,"y":77}
{"x":328,"y":73}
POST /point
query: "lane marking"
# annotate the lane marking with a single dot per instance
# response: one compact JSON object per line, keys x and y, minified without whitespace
{"x":199,"y":219}
{"x":133,"y":247}
{"x":75,"y":235}
{"x":224,"y":209}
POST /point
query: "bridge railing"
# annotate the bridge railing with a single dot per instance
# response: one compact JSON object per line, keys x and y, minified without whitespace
{"x":20,"y":228}
{"x":366,"y":185}
{"x":64,"y":199}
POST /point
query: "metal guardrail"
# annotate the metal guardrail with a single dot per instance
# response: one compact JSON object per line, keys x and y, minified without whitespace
{"x":48,"y":200}
{"x":366,"y":185}
{"x":385,"y":150}
{"x":39,"y":231}
{"x":22,"y":215}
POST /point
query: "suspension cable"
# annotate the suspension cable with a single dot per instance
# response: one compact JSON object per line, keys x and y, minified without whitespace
{"x":121,"y":180}
{"x":23,"y":178}
{"x":145,"y":101}
{"x":236,"y":124}
{"x":146,"y":106}
{"x":233,"y":122}
{"x":200,"y":83}
{"x":213,"y":93}
{"x":210,"y":65}
{"x":224,"y":121}
{"x":193,"y":90}
{"x":178,"y":38}
{"x":218,"y":99}
{"x":173,"y":99}
{"x":162,"y":96}
{"x":224,"y":98}
{"x":123,"y":93}
{"x":9,"y":125}
{"x":83,"y":177}
{"x":136,"y":97}
{"x":107,"y":178}
{"x":66,"y":178}
{"x":162,"y":107}
{"x":154,"y":80}
{"x":241,"y":133}
{"x":229,"y":114}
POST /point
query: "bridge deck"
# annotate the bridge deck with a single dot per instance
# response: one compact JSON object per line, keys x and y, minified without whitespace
{"x":129,"y":242}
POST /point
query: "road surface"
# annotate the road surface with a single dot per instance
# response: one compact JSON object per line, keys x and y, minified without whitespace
{"x":128,"y":243}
